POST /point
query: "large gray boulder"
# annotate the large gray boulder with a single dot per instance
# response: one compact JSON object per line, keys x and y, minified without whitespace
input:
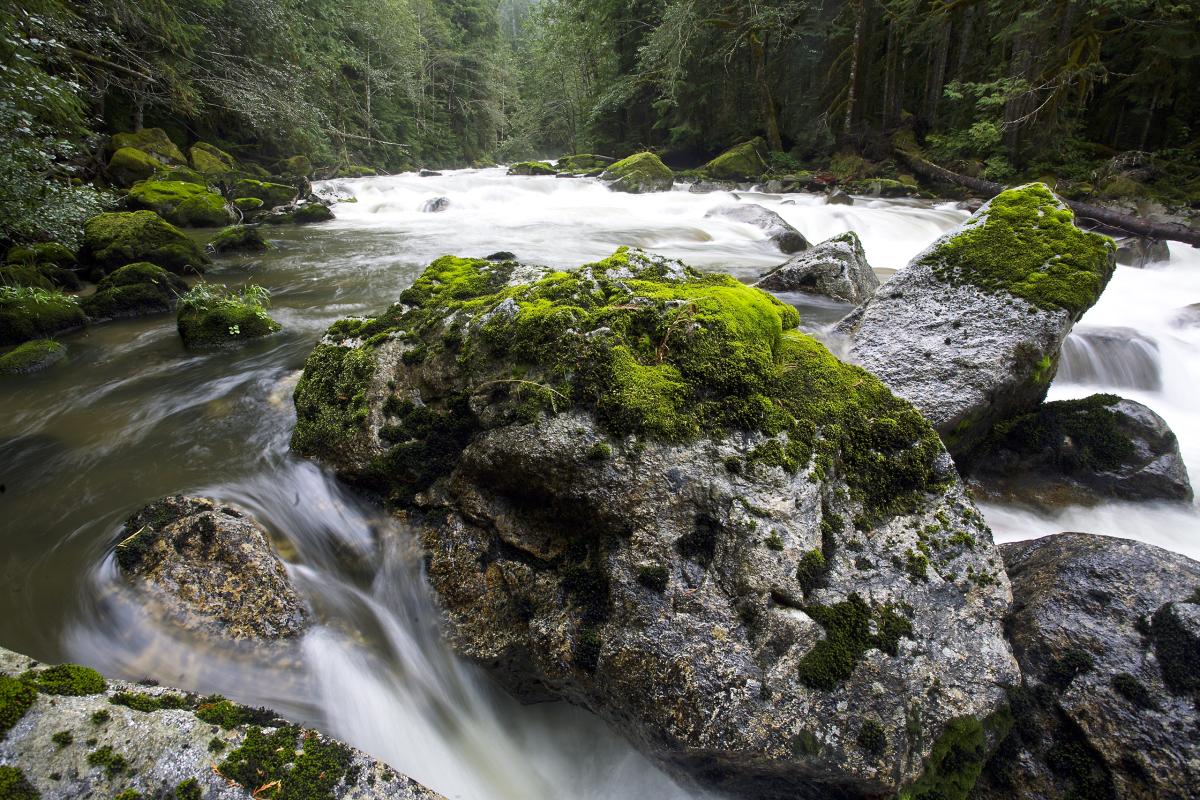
{"x":642,"y":490}
{"x":1083,"y":452}
{"x":836,"y":268}
{"x":970,"y":331}
{"x":209,"y":569}
{"x":1107,"y":632}
{"x":786,"y":238}
{"x":74,"y":734}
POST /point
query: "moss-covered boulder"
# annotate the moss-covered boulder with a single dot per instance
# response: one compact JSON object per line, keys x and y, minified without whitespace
{"x":135,"y":290}
{"x":43,"y":253}
{"x":971,"y":330}
{"x":643,"y":489}
{"x":272,"y":194}
{"x":32,"y":357}
{"x":745,"y":161}
{"x":528,"y":168}
{"x":1107,"y":632}
{"x":30,"y":313}
{"x":247,"y":204}
{"x":184,"y":174}
{"x":115,"y":239}
{"x":583,"y":162}
{"x":296,"y":167}
{"x":312,"y":212}
{"x":130,"y":165}
{"x":640,"y":173}
{"x":130,"y":740}
{"x":181,"y":203}
{"x":211,"y":160}
{"x":1082,"y":452}
{"x":239,"y":237}
{"x":355,"y":171}
{"x":214,"y":316}
{"x":153,"y":141}
{"x":39,"y":276}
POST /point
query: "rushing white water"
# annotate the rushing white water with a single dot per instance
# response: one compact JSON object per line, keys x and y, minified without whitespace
{"x":375,"y":670}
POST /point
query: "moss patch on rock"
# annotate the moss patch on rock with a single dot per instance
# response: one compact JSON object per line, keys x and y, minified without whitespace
{"x":287,"y":764}
{"x":649,"y":346}
{"x":15,"y":786}
{"x":211,"y":160}
{"x":1098,"y":440}
{"x":1026,"y":245}
{"x":312,"y":212}
{"x":66,"y":679}
{"x":115,"y":239}
{"x":239,"y":237}
{"x":28,"y":313}
{"x":32,"y":356}
{"x":582,"y":162}
{"x":135,"y":290}
{"x":639,"y":173}
{"x":852,"y":628}
{"x":153,"y":141}
{"x":271,"y":194}
{"x":528,"y":168}
{"x":740,"y":162}
{"x":181,"y":203}
{"x":213,"y":316}
{"x":130,"y":165}
{"x":958,"y":757}
{"x":16,"y":697}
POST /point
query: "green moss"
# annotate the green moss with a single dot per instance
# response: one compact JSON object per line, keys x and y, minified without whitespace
{"x":208,"y":210}
{"x":129,"y":165}
{"x":154,"y":141}
{"x":1098,"y":443}
{"x":27,"y":314}
{"x":115,"y":239}
{"x":247,"y":204}
{"x":1071,"y":664}
{"x":272,"y":194}
{"x":188,"y":790}
{"x":312,"y":212}
{"x":63,"y":739}
{"x":811,"y":571}
{"x":653,"y":576}
{"x":216,"y":710}
{"x":239,"y":237}
{"x":744,"y":161}
{"x":581,"y":162}
{"x":773,"y":542}
{"x":600,"y":451}
{"x":211,"y":160}
{"x":916,"y":564}
{"x":1175,"y":647}
{"x":31,"y":357}
{"x":650,"y":347}
{"x":16,"y":697}
{"x":66,"y":679}
{"x":640,"y":172}
{"x":1028,"y":246}
{"x":180,"y":174}
{"x":212,"y":316}
{"x":270,"y":766}
{"x":528,"y":168}
{"x":100,"y":717}
{"x":15,"y":786}
{"x":356,"y":171}
{"x":848,"y":637}
{"x":872,"y":738}
{"x":135,"y":290}
{"x":1133,"y":690}
{"x":216,"y":745}
{"x":296,"y":166}
{"x":957,"y":758}
{"x":111,"y":762}
{"x":129,"y":794}
{"x":149,"y":703}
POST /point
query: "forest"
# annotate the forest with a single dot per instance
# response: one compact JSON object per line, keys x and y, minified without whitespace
{"x":990,"y":88}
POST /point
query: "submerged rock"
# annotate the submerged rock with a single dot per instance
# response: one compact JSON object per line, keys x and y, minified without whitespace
{"x":1098,"y":628}
{"x":113,"y":240}
{"x":642,"y":490}
{"x":1140,"y":251}
{"x":971,"y":330}
{"x":745,"y":161}
{"x":638,"y":174}
{"x":435,"y":205}
{"x":32,"y":357}
{"x":91,"y":737}
{"x":837,"y":197}
{"x":1083,"y":451}
{"x":135,"y":290}
{"x":836,"y":268}
{"x":786,"y":238}
{"x":210,"y":569}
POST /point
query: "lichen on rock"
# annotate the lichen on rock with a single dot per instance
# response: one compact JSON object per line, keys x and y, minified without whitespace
{"x":611,"y":468}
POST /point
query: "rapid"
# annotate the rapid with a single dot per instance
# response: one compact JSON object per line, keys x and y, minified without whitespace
{"x":132,"y":416}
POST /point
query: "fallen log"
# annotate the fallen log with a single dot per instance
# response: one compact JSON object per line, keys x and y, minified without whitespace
{"x":1085,"y":212}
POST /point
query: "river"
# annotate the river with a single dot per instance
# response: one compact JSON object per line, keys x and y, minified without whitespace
{"x":132,"y":416}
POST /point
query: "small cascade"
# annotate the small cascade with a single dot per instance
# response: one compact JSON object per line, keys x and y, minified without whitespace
{"x":1113,"y":358}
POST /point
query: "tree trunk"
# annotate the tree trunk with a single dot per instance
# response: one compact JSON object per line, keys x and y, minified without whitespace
{"x":851,"y":92}
{"x":1085,"y":212}
{"x":758,"y":53}
{"x":937,"y":76}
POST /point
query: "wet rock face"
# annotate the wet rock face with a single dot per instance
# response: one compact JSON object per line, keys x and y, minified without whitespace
{"x":809,"y":607}
{"x":970,"y":331}
{"x":786,"y":238}
{"x":835,"y":268}
{"x":106,"y":738}
{"x":1141,"y":252}
{"x":1102,"y":628}
{"x":211,"y":570}
{"x":1084,"y":451}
